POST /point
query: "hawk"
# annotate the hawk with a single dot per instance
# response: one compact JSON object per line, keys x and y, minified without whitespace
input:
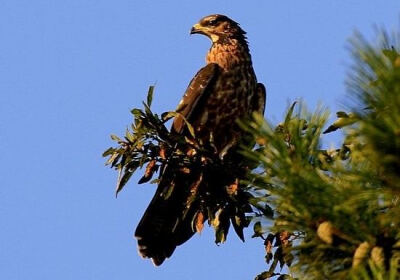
{"x":222,"y":92}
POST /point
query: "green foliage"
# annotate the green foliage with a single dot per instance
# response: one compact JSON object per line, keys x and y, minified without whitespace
{"x":215,"y":192}
{"x":338,"y":208}
{"x":147,"y":142}
{"x":324,"y":213}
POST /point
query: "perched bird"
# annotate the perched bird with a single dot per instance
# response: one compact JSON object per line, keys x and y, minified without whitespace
{"x":223,"y":91}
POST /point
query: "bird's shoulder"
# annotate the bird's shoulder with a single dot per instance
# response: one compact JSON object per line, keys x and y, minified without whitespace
{"x":198,"y":89}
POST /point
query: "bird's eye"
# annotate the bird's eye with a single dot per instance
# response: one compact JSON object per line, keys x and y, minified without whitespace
{"x":212,"y":22}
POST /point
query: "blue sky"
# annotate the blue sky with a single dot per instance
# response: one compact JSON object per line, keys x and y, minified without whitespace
{"x":70,"y":71}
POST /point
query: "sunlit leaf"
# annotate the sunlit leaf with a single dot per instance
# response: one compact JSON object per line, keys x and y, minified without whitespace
{"x":108,"y":152}
{"x":137,"y":112}
{"x":238,"y":223}
{"x":150,"y":95}
{"x":115,"y":137}
{"x":121,"y":183}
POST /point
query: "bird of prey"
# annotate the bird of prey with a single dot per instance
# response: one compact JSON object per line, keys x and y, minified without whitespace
{"x":222,"y":92}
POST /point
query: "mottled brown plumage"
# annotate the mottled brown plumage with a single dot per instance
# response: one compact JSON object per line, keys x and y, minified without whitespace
{"x":223,"y":91}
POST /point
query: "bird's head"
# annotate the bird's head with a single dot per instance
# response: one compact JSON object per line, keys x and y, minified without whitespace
{"x":218,"y":28}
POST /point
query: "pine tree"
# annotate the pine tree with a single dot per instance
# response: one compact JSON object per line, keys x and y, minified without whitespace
{"x":336,"y":211}
{"x":324,"y":213}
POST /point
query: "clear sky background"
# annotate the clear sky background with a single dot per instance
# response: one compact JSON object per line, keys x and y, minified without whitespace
{"x":70,"y":71}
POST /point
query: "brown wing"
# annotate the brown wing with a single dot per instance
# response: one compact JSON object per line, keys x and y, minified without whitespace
{"x":260,"y":99}
{"x":162,"y":226}
{"x":197,"y":90}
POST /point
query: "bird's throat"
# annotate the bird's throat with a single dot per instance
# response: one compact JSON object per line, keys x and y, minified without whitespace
{"x":229,"y":54}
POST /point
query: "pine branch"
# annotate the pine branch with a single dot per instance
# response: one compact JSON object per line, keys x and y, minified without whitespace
{"x":341,"y":204}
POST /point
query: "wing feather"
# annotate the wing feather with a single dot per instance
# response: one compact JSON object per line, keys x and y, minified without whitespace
{"x":198,"y":89}
{"x":260,"y":99}
{"x":162,"y":227}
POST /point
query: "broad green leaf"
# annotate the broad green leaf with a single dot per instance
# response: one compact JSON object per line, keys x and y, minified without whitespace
{"x":342,"y":121}
{"x":112,"y":158}
{"x":108,"y":152}
{"x":121,"y":183}
{"x":115,"y":137}
{"x":150,"y":95}
{"x":149,"y":113}
{"x":221,"y":225}
{"x":129,"y":136}
{"x":137,"y":112}
{"x":342,"y":114}
{"x":257,"y":228}
{"x":172,"y":114}
{"x":267,"y":211}
{"x":238,"y":222}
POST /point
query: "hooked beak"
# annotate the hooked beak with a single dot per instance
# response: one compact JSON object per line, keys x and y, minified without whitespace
{"x":197,"y":29}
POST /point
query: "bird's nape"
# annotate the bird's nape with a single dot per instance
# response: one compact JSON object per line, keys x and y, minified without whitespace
{"x":219,"y":28}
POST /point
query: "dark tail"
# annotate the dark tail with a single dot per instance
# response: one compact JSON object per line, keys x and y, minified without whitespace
{"x":164,"y":225}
